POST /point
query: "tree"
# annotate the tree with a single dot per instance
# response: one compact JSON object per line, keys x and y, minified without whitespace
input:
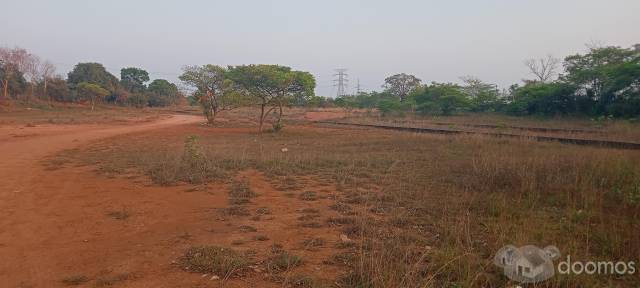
{"x":606,"y":77}
{"x":17,"y":63}
{"x":441,"y":98}
{"x":482,"y":96}
{"x":272,"y":86}
{"x":46,"y":72}
{"x":93,"y":73}
{"x":392,"y":106}
{"x":347,"y":102}
{"x":213,"y":90}
{"x":401,"y":85}
{"x":11,"y":79}
{"x":162,"y":93}
{"x":544,"y":69}
{"x":550,"y":99}
{"x":58,"y":90}
{"x":91,"y":92}
{"x":133,"y":79}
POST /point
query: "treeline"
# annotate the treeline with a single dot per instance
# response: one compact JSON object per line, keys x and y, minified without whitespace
{"x":25,"y":76}
{"x":603,"y":82}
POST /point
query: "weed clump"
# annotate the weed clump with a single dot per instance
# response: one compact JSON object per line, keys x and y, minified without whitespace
{"x":241,"y":192}
{"x":283,"y":261}
{"x":223,"y":262}
{"x":75,"y":280}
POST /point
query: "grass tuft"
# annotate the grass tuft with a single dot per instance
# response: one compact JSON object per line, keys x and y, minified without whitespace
{"x":220,"y":261}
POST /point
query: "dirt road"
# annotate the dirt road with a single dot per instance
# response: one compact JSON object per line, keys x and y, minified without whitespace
{"x":72,"y":226}
{"x":52,"y":223}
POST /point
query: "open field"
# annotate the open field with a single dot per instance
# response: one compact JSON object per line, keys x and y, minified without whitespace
{"x":173,"y":203}
{"x":61,"y":113}
{"x":320,"y":144}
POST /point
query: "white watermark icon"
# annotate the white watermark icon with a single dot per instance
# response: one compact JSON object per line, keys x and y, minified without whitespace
{"x":531,"y":264}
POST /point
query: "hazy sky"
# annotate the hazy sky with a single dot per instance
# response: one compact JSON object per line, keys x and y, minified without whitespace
{"x":435,"y":40}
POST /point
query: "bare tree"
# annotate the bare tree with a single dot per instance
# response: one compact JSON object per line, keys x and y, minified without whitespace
{"x":31,"y":71}
{"x":46,"y":71}
{"x":595,"y":44}
{"x":401,"y":85}
{"x":472,"y":85}
{"x":23,"y":61}
{"x":544,"y":69}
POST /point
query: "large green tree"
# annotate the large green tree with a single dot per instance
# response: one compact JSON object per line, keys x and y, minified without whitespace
{"x":214,"y":91}
{"x":482,"y":96}
{"x":12,"y":80}
{"x":551,"y":99}
{"x":272,"y":86}
{"x":91,"y":92}
{"x":133,"y":79}
{"x":607,"y":79}
{"x":93,"y":73}
{"x":441,"y":98}
{"x":162,"y":93}
{"x":401,"y":85}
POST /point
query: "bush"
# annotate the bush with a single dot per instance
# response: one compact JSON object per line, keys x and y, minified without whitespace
{"x":393,"y":107}
{"x":545,"y":99}
{"x":441,"y":98}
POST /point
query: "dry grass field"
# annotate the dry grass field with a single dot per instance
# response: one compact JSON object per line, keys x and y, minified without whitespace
{"x":38,"y":112}
{"x":581,"y":128}
{"x":317,"y":205}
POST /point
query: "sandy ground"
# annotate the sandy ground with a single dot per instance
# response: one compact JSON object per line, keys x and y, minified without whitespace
{"x":54,"y":223}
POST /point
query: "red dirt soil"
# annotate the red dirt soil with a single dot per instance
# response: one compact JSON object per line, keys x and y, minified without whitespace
{"x":55,"y":224}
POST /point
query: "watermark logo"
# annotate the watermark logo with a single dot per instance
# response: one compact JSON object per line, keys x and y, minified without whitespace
{"x":596,"y":267}
{"x":527,"y":264}
{"x":532,"y":264}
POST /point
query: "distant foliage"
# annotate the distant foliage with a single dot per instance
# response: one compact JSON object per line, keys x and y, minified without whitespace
{"x":162,"y":93}
{"x":401,"y":85}
{"x":544,"y":99}
{"x":272,"y":87}
{"x":92,"y":73}
{"x":603,"y":82}
{"x":91,"y":93}
{"x":58,"y":90}
{"x":214,"y":90}
{"x":11,"y":80}
{"x":132,"y":79}
{"x":441,"y":98}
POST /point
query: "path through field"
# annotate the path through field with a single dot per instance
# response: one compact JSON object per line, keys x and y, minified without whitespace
{"x":72,"y":223}
{"x":53,"y":224}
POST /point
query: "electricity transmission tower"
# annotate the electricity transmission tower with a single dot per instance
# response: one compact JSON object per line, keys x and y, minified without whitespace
{"x":341,"y":81}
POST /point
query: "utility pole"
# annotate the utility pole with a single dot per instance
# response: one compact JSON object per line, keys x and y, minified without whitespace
{"x":341,"y":81}
{"x":358,"y":87}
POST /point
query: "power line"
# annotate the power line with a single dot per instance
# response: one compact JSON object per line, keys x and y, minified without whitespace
{"x":341,"y":82}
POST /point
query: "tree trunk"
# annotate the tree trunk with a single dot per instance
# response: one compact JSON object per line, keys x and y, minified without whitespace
{"x":261,"y":117}
{"x":6,"y":88}
{"x":45,"y":92}
{"x":279,"y":121}
{"x":211,"y":116}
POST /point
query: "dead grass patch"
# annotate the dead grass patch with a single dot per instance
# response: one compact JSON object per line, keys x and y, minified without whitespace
{"x":75,"y":280}
{"x":283,"y":261}
{"x":220,"y":261}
